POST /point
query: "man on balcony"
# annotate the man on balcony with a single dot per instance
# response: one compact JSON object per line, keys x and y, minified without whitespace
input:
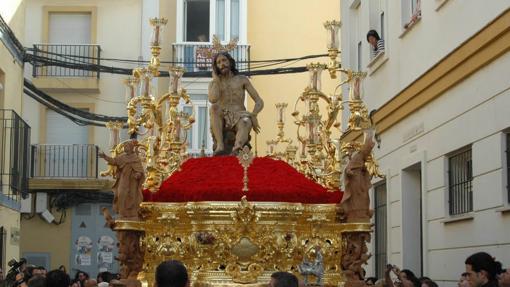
{"x":228,"y":113}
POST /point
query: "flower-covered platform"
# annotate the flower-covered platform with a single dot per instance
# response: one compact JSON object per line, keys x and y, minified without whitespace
{"x":221,"y":179}
{"x":227,"y":237}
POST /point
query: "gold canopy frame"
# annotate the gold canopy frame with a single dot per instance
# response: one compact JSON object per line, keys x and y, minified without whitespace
{"x":241,"y":243}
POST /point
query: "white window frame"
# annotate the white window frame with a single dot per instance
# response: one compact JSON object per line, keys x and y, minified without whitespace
{"x":449,"y":170}
{"x":374,"y":221}
{"x":377,"y":22}
{"x":195,"y":145}
{"x":243,"y":20}
{"x":409,"y":8}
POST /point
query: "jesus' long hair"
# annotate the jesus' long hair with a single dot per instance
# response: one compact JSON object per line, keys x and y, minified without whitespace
{"x":233,"y":68}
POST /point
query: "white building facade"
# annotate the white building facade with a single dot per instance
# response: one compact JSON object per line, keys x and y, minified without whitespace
{"x":442,"y":93}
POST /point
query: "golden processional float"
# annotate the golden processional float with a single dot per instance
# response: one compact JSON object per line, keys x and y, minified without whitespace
{"x":241,"y":243}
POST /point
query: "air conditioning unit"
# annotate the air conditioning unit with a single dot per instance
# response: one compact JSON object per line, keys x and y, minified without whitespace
{"x":48,"y":216}
{"x":26,"y":204}
{"x":41,"y":202}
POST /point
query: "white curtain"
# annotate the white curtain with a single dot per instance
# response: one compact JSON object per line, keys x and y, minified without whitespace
{"x":220,"y":19}
{"x":234,"y":19}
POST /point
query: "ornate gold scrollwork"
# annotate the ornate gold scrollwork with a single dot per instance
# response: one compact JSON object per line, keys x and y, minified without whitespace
{"x":242,"y":242}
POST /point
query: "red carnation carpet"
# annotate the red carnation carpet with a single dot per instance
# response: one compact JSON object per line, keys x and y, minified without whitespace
{"x":221,"y":179}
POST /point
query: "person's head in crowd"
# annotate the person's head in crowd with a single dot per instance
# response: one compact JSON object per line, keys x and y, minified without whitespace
{"x":62,"y":268}
{"x":370,"y":281}
{"x":504,"y":278}
{"x":81,"y":276}
{"x":23,"y":266}
{"x":427,"y":282}
{"x":90,"y":283}
{"x":482,"y":269}
{"x":43,"y":270}
{"x":37,"y":281}
{"x":105,"y":277}
{"x":57,"y":278}
{"x":39,"y":271}
{"x":28,"y":271}
{"x":463,"y":280}
{"x":373,"y":37}
{"x":1,"y":274}
{"x":171,"y":273}
{"x":283,"y":279}
{"x":408,"y":278}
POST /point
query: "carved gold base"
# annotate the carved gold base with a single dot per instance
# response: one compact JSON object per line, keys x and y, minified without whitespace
{"x":241,"y":243}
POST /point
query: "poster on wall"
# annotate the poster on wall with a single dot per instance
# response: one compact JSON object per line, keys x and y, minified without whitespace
{"x":83,"y":260}
{"x":83,"y":247}
{"x":105,"y":261}
{"x":105,"y":245}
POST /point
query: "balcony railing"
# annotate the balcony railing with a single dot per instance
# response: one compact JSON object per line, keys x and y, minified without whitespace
{"x":70,"y":54}
{"x":14,"y":156}
{"x":65,"y":161}
{"x":194,"y":56}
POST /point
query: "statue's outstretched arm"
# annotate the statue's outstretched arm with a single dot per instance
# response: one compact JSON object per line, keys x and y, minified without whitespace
{"x":259,"y":103}
{"x":107,"y":158}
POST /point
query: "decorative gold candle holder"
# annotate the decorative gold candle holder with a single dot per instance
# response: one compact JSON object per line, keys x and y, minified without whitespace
{"x":157,"y":24}
{"x":160,"y":124}
{"x":333,"y":44}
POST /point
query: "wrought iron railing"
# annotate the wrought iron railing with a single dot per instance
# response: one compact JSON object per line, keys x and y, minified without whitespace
{"x":65,"y":161}
{"x":14,"y":156}
{"x":193,"y":56}
{"x":89,"y":55}
{"x":460,"y":178}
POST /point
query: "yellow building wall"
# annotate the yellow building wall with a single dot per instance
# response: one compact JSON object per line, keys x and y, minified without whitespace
{"x":286,"y":29}
{"x":13,"y":13}
{"x":120,"y":18}
{"x":37,"y":235}
{"x":9,"y":220}
{"x":11,"y":72}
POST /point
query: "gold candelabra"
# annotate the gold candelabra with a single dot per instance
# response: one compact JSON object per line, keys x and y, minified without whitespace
{"x":158,"y":123}
{"x":333,"y":44}
{"x":289,"y":154}
{"x":321,"y":156}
